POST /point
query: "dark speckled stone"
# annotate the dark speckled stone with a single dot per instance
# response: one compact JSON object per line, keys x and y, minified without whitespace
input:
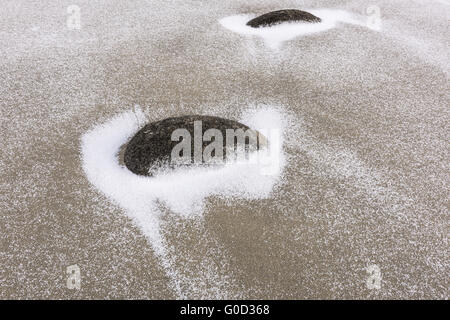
{"x":280,"y":16}
{"x":152,"y":145}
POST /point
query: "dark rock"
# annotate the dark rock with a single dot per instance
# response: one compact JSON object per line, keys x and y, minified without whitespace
{"x":152,"y":146}
{"x":280,"y":16}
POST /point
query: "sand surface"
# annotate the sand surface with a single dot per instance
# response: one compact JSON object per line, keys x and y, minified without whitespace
{"x":365,"y":120}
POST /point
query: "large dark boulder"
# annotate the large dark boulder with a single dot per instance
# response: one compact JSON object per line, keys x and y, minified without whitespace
{"x":280,"y":16}
{"x":152,"y":146}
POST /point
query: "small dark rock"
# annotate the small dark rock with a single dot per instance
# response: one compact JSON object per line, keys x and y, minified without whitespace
{"x":280,"y":16}
{"x":152,"y":146}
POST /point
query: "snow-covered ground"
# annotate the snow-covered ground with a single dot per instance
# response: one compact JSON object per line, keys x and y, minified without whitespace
{"x":362,"y":103}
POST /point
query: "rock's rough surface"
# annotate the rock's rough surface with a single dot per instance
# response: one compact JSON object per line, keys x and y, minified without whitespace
{"x":152,"y":145}
{"x":280,"y":16}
